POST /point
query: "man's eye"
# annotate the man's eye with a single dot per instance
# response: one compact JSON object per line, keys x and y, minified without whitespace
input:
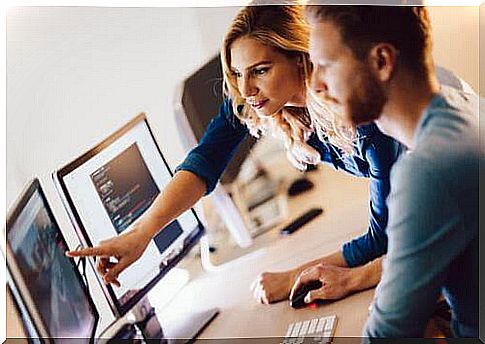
{"x":236,"y":74}
{"x":322,"y":66}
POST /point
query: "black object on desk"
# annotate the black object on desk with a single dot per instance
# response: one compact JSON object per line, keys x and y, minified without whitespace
{"x":300,"y":221}
{"x":311,"y":168}
{"x":299,"y":186}
{"x":298,"y":300}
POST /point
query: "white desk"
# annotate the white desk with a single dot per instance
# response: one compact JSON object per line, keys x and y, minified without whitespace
{"x":345,"y":202}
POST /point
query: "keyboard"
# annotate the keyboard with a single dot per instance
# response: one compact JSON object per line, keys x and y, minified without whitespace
{"x":318,"y":330}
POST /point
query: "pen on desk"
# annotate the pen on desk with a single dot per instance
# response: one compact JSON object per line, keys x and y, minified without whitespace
{"x":301,"y":221}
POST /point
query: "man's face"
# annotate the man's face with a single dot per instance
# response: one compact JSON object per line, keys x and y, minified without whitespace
{"x":345,"y":83}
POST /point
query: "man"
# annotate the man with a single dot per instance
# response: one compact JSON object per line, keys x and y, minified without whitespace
{"x":373,"y":63}
{"x":354,"y":267}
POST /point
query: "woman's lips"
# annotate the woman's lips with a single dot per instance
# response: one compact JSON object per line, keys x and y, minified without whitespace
{"x":259,"y":105}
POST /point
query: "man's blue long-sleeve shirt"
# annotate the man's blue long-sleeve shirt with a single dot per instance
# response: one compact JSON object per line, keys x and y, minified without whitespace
{"x":433,"y":225}
{"x":374,"y":156}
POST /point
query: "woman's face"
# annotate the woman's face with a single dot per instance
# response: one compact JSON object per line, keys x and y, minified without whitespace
{"x":266,"y":79}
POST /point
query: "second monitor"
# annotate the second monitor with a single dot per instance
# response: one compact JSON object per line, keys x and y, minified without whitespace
{"x":106,"y":189}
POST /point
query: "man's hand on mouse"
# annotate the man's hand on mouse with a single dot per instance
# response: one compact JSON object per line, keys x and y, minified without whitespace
{"x":271,"y":287}
{"x":337,"y":282}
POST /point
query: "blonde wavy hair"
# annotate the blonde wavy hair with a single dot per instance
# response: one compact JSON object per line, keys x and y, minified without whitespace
{"x":283,"y":28}
{"x":328,"y":124}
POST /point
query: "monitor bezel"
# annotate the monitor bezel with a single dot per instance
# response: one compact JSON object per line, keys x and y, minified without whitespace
{"x":14,"y":272}
{"x":191,"y":240}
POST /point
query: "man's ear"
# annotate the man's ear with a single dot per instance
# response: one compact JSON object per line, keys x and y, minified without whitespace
{"x":299,"y":61}
{"x":382,"y":60}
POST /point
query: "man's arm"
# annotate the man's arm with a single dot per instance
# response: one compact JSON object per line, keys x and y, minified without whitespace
{"x":425,"y":235}
{"x":339,"y":280}
{"x":353,"y":268}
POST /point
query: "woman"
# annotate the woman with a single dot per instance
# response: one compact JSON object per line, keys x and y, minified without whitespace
{"x":265,"y":63}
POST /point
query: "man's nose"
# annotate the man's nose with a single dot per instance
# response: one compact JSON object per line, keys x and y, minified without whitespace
{"x":317,"y":83}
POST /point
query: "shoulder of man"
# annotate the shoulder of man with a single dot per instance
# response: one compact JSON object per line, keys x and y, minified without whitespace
{"x":447,"y":151}
{"x":449,"y":123}
{"x":447,"y":78}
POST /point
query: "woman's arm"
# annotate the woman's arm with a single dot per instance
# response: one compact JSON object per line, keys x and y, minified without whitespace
{"x":216,"y":147}
{"x":380,"y":152}
{"x":181,"y":193}
{"x":196,"y":176}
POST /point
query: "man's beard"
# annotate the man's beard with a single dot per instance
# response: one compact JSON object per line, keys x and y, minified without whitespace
{"x":367,"y":99}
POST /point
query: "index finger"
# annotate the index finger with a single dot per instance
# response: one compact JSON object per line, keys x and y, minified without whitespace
{"x":87,"y":252}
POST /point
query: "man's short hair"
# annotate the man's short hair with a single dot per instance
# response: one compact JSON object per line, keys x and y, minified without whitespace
{"x":407,"y":28}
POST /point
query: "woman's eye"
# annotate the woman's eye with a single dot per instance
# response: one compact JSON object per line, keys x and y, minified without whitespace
{"x":260,"y":71}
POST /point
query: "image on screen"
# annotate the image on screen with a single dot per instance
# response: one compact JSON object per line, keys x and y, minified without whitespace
{"x":125,"y":187}
{"x":39,"y":250}
{"x":110,"y":187}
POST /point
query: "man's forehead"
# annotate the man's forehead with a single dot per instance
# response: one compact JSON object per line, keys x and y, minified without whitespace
{"x":324,"y":38}
{"x":325,"y":30}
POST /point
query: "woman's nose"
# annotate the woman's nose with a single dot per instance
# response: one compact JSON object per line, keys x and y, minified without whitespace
{"x":248,"y":88}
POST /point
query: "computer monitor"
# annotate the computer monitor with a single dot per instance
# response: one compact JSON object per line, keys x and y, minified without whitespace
{"x":197,"y":102}
{"x":55,"y":303}
{"x":106,"y":189}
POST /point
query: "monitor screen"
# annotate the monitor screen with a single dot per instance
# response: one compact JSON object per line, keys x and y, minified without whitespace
{"x":200,"y":99}
{"x":48,"y":283}
{"x":108,"y":188}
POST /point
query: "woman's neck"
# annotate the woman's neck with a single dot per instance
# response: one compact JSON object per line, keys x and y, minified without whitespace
{"x":298,"y":99}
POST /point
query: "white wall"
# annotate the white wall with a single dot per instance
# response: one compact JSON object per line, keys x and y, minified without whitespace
{"x":482,"y":50}
{"x":456,"y":40}
{"x":76,"y":74}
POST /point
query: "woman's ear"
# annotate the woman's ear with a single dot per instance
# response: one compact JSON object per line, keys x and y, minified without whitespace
{"x":383,"y":60}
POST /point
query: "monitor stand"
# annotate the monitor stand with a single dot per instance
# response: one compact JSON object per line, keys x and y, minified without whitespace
{"x":181,"y":329}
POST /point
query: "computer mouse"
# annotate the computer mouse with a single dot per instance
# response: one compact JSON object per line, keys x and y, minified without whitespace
{"x":300,"y":185}
{"x":298,"y":300}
